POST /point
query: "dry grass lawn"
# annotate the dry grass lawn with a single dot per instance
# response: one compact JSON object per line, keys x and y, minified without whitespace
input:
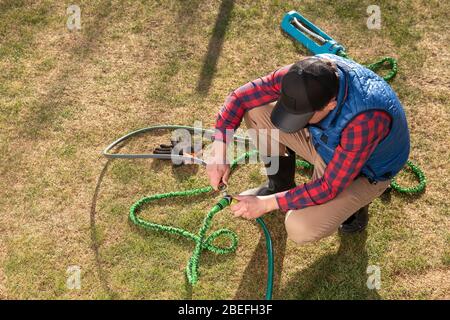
{"x":65,"y":95}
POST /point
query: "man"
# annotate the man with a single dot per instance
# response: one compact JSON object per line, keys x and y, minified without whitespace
{"x":334,"y":113}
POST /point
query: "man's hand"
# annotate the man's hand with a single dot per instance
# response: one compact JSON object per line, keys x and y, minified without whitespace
{"x":218,"y":173}
{"x":217,"y":168}
{"x":252,"y":207}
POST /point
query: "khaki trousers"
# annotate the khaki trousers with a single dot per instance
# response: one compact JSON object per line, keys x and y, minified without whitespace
{"x":319,"y":221}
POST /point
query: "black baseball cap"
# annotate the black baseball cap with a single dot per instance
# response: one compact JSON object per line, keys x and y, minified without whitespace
{"x":307,"y":87}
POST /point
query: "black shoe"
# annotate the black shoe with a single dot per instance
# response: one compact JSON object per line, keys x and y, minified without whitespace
{"x":283,"y":180}
{"x":357,"y":222}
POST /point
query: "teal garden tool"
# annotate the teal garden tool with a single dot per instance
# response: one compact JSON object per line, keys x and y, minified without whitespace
{"x":305,"y":32}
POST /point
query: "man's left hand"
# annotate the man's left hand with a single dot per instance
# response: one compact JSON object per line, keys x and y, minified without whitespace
{"x":252,"y":207}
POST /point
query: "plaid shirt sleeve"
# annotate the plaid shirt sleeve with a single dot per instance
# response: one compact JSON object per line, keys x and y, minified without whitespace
{"x":252,"y":94}
{"x":358,"y":140}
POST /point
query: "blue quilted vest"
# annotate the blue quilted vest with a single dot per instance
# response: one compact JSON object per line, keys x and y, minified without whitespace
{"x":360,"y":90}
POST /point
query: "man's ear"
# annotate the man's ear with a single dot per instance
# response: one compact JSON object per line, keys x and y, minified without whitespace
{"x":331,"y":105}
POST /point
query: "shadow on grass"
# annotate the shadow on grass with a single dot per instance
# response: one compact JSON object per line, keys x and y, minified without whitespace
{"x":407,"y":197}
{"x":188,"y":288}
{"x":254,"y":279}
{"x":337,"y":276}
{"x":8,"y":5}
{"x":298,"y":47}
{"x":95,"y":245}
{"x":342,"y":275}
{"x":183,"y":172}
{"x":215,"y":46}
{"x":180,"y":173}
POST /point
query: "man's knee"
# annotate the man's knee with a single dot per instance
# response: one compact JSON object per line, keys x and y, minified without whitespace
{"x":253,"y":120}
{"x":259,"y":118}
{"x":301,"y":230}
{"x":262,"y":133}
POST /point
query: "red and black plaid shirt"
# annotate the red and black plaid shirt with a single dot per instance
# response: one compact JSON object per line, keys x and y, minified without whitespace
{"x":358,"y":140}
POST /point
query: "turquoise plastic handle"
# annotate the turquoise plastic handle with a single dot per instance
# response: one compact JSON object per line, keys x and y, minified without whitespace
{"x":306,"y":32}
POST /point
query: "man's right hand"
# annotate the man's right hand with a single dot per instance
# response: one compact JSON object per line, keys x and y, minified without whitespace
{"x":218,"y":173}
{"x":217,"y":168}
